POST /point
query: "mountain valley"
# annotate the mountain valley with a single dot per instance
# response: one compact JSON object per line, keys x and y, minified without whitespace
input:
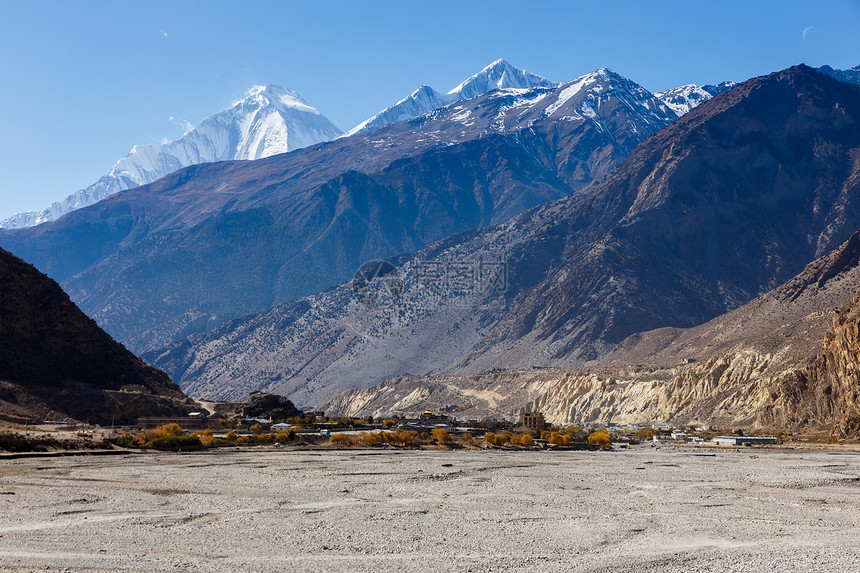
{"x":653,"y":244}
{"x":574,"y":248}
{"x":290,"y":225}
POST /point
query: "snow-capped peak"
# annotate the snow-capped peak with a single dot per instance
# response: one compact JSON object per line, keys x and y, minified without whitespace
{"x":498,"y":75}
{"x":585,"y":94}
{"x":418,"y":102}
{"x":269,"y":120}
{"x":684,"y":98}
{"x":276,"y":96}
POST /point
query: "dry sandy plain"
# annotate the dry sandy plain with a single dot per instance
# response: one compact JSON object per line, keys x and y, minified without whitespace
{"x":645,"y":509}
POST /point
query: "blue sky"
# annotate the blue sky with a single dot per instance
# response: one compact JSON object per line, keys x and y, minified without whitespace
{"x":82,"y":82}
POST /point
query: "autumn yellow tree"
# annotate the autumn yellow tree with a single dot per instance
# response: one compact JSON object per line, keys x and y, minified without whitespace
{"x":441,"y":436}
{"x":206,"y":437}
{"x":601,"y":439}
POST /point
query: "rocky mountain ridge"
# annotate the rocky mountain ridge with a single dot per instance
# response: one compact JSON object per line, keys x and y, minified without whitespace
{"x":498,"y":75}
{"x":684,"y":98}
{"x":788,"y":359}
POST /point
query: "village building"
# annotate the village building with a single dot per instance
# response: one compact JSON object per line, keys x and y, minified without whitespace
{"x":745,"y":440}
{"x":533,"y":421}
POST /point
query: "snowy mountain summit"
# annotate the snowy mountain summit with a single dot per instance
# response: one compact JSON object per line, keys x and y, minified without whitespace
{"x":498,"y":75}
{"x":684,"y":98}
{"x":268,"y":121}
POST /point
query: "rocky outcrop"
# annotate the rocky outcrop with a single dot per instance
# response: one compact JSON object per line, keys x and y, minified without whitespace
{"x":826,"y":390}
{"x":259,"y":404}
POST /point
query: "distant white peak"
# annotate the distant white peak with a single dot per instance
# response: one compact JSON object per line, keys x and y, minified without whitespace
{"x":275,"y":95}
{"x":684,"y":98}
{"x":420,"y":101}
{"x":500,"y":74}
{"x":424,"y":92}
{"x":596,"y":81}
{"x":267,"y":121}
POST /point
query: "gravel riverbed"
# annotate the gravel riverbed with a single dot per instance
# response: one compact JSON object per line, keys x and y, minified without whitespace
{"x":644,"y":509}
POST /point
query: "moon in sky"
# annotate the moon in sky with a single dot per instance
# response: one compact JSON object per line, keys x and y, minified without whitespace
{"x":806,"y":31}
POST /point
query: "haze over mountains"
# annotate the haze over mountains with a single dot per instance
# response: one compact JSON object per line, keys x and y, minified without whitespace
{"x":268,"y":121}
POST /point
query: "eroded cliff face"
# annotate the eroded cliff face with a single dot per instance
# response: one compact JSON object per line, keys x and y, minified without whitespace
{"x":825,"y":391}
{"x":735,"y":389}
{"x":727,"y":390}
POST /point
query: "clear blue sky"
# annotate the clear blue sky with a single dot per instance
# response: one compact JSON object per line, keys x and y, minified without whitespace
{"x":81,"y":82}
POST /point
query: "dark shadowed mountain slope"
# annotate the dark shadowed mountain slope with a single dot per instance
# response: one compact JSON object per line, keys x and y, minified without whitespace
{"x":788,"y":322}
{"x":55,"y":361}
{"x":728,"y":202}
{"x":250,"y":260}
{"x":216,"y":241}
